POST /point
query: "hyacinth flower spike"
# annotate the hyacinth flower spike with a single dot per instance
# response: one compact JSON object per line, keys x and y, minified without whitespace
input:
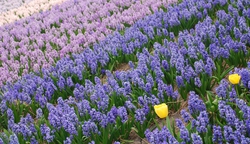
{"x":161,"y":110}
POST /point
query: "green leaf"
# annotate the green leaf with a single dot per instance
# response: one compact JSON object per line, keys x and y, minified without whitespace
{"x":128,"y":141}
{"x":6,"y":132}
{"x":135,"y":129}
{"x":189,"y":126}
{"x":209,"y":96}
{"x":218,"y":68}
{"x":169,"y":125}
{"x":209,"y":131}
{"x":59,"y":142}
{"x":208,"y":137}
{"x":247,"y":97}
{"x":214,"y":77}
{"x":219,"y":122}
{"x":84,"y":138}
{"x":208,"y":104}
{"x":156,"y":124}
{"x":226,"y":71}
{"x":112,"y":66}
{"x":215,"y":102}
{"x":198,"y":91}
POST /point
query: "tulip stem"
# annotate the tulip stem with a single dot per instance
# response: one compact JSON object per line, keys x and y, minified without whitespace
{"x":236,"y":89}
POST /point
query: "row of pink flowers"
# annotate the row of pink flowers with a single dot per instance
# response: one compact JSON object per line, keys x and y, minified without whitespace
{"x":11,"y":4}
{"x":13,"y":10}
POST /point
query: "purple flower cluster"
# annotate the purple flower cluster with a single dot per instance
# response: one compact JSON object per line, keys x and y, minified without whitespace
{"x":201,"y":123}
{"x":217,"y":134}
{"x":245,"y":77}
{"x":63,"y":116}
{"x":89,"y":127}
{"x":196,"y":139}
{"x":160,"y":136}
{"x":184,"y":134}
{"x":25,"y":127}
{"x":195,"y":104}
{"x":47,"y":133}
{"x":185,"y":115}
{"x":228,"y":113}
{"x":222,"y":89}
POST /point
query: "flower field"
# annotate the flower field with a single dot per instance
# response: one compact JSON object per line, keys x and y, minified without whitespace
{"x":103,"y":72}
{"x":39,"y":41}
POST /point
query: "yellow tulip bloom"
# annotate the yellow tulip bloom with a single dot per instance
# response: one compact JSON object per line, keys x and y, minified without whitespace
{"x":161,"y":110}
{"x":234,"y":78}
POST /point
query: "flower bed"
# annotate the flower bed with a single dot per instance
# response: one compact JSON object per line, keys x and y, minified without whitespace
{"x":41,"y":40}
{"x":173,"y":57}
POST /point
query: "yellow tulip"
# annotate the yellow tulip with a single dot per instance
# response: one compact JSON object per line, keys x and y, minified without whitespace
{"x":234,"y":78}
{"x":161,"y":110}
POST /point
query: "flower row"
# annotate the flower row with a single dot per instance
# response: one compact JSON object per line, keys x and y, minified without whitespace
{"x":8,"y":5}
{"x":13,"y":10}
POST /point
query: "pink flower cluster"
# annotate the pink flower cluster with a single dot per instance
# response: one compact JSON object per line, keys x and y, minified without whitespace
{"x":13,"y":10}
{"x":40,"y":40}
{"x":11,"y":4}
